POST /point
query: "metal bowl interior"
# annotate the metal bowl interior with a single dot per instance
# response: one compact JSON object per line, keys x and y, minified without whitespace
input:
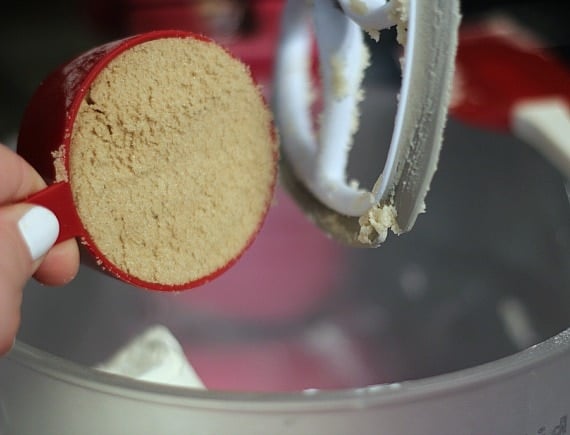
{"x":472,"y":304}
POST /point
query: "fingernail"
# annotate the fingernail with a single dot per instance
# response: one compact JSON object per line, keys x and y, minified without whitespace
{"x":39,"y":228}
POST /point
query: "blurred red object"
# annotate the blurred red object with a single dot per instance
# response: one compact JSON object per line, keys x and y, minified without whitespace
{"x":249,"y":29}
{"x":499,"y":65}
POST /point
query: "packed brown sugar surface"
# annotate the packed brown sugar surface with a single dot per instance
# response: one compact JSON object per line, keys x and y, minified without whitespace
{"x":172,"y":160}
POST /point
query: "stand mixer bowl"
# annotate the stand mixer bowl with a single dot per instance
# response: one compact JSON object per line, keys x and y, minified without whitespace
{"x":459,"y":326}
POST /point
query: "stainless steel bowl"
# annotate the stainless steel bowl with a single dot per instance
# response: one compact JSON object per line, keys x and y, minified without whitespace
{"x":460,"y":326}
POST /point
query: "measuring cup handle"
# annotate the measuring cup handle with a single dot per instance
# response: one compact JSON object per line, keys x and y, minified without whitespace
{"x":57,"y":197}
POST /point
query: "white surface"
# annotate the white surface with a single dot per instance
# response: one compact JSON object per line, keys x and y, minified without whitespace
{"x":545,"y":124}
{"x":154,"y":356}
{"x":369,"y":14}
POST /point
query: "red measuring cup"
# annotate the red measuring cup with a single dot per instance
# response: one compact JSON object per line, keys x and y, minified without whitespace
{"x":44,"y":141}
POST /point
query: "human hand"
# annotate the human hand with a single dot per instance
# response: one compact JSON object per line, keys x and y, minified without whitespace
{"x":27,"y":234}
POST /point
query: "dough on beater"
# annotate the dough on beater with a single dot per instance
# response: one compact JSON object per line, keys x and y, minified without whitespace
{"x":358,"y":7}
{"x":374,"y":225}
{"x":173,"y":160}
{"x":399,"y":13}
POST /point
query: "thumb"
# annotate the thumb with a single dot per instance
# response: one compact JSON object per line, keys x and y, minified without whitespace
{"x":27,"y":232}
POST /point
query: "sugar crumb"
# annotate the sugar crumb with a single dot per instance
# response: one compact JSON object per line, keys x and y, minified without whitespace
{"x":59,"y":164}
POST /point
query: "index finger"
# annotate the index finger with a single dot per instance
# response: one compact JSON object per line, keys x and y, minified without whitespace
{"x":17,"y":177}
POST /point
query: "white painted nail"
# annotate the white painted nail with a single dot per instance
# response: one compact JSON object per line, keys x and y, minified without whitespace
{"x":39,"y":228}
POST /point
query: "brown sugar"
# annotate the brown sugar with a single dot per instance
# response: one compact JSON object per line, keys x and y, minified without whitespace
{"x":172,"y":160}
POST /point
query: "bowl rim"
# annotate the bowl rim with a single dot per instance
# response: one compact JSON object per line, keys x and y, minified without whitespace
{"x":503,"y":369}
